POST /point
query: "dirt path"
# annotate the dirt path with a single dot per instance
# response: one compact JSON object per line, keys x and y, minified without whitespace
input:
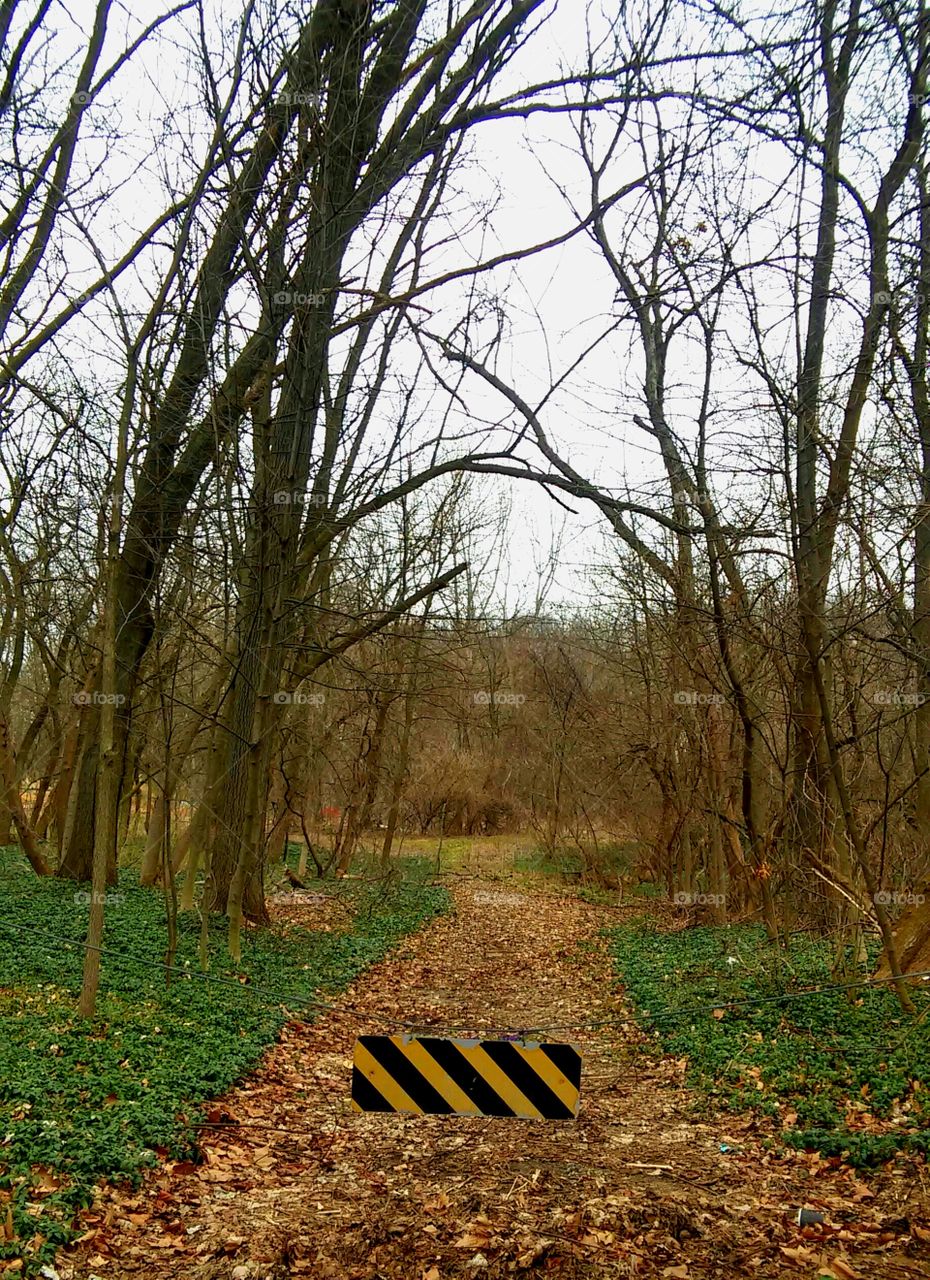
{"x":296,"y":1184}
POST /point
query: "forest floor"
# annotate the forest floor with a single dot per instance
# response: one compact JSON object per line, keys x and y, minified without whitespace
{"x":294,"y":1183}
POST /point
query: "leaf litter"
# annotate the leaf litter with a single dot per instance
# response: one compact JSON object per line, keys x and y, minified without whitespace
{"x":294,"y":1183}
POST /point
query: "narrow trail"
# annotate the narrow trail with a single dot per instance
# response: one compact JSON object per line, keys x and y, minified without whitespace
{"x":296,"y":1184}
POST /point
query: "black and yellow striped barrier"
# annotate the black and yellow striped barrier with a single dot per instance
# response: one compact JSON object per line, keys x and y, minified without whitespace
{"x":428,"y":1075}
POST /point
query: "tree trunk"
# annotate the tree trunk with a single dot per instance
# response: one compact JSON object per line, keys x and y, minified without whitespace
{"x":280,"y":815}
{"x":686,"y":875}
{"x":108,"y":783}
{"x":153,"y":856}
{"x":368,"y":770}
{"x":78,"y":835}
{"x":917,"y":370}
{"x":196,"y":841}
{"x":401,"y":765}
{"x":14,"y":804}
{"x":57,"y":808}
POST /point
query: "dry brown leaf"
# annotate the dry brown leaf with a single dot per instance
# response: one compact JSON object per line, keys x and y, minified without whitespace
{"x":531,"y":1253}
{"x":799,"y":1255}
{"x":411,"y":1173}
{"x":836,"y":1270}
{"x":471,"y":1240}
{"x":48,"y":1181}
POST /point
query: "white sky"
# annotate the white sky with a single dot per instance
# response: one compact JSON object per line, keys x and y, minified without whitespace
{"x":570,"y":288}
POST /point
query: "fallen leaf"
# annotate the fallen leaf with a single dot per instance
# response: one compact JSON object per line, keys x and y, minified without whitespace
{"x":842,"y":1270}
{"x":799,"y":1255}
{"x":470,"y":1241}
{"x":531,"y":1253}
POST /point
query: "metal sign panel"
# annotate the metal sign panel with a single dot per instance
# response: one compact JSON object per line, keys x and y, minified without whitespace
{"x":435,"y":1076}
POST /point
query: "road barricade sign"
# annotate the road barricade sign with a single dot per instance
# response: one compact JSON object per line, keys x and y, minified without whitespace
{"x":439,"y":1076}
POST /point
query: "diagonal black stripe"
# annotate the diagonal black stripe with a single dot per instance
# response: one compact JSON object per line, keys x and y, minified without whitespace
{"x":549,"y":1105}
{"x":456,"y":1065}
{"x":365,"y":1093}
{"x":567,"y":1059}
{"x":401,"y":1069}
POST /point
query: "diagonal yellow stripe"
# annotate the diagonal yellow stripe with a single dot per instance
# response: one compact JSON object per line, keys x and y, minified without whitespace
{"x":549,"y":1073}
{"x":386,"y":1085}
{"x":502,"y":1085}
{"x":430,"y":1069}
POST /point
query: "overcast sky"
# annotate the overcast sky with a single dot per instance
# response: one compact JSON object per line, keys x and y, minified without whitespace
{"x":557,"y":301}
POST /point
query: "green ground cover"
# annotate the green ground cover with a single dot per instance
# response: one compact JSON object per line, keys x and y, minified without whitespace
{"x":846,"y":1074}
{"x":92,"y":1100}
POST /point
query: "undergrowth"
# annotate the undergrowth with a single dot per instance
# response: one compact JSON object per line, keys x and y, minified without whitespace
{"x":845,"y":1074}
{"x":84,"y":1100}
{"x":612,"y":857}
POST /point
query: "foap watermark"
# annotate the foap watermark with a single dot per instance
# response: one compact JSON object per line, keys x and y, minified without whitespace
{"x":80,"y":299}
{"x":684,"y":899}
{"x":889,"y":898}
{"x":288,"y":497}
{"x":498,"y":699}
{"x":683,"y":499}
{"x":900,"y":299}
{"x":299,"y":699}
{"x":898,"y":698}
{"x":301,"y":98}
{"x":86,"y":699}
{"x":691,"y":698}
{"x":294,"y":298}
{"x":84,"y":898}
